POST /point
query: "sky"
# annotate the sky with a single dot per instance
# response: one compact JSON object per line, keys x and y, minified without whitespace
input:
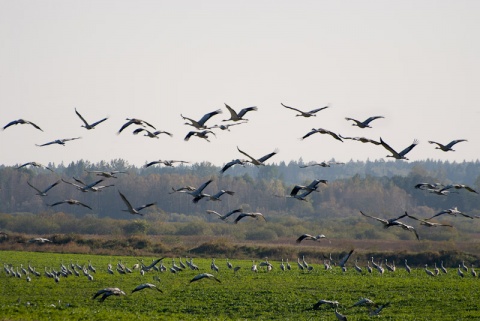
{"x":414,"y":62}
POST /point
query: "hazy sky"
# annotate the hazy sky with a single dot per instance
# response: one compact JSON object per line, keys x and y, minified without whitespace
{"x":415,"y":62}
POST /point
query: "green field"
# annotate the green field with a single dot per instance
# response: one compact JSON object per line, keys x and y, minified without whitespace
{"x":282,"y":295}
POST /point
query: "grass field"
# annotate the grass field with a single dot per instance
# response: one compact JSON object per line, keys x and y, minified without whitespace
{"x":282,"y":295}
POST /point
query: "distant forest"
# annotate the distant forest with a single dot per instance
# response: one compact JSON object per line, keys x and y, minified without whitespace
{"x":380,"y":188}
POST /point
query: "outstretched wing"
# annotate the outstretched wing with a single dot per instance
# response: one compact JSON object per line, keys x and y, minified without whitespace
{"x":246,"y":110}
{"x":264,"y":158}
{"x":409,"y":148}
{"x":291,"y":108}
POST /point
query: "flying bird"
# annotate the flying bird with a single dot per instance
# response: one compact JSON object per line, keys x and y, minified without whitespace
{"x":313,"y":186}
{"x":150,"y":134}
{"x":106,"y":174}
{"x":233,"y":162}
{"x":322,"y":131}
{"x":131,"y":209}
{"x":237,"y":117}
{"x":44,"y":192}
{"x":310,"y":237}
{"x":216,"y":197}
{"x":363,"y":140}
{"x":85,"y":187}
{"x":317,"y":305}
{"x":35,"y":164}
{"x":146,"y":286}
{"x":322,"y":164}
{"x":447,"y":147}
{"x":226,"y":216}
{"x":261,"y":160}
{"x":459,"y":186}
{"x":305,"y":113}
{"x":452,"y":211}
{"x":400,"y":155}
{"x":108,"y":292}
{"x":71,"y":202}
{"x":59,"y":141}
{"x":21,"y":122}
{"x":86,"y":124}
{"x":135,"y":121}
{"x":197,"y":193}
{"x":427,"y":223}
{"x":394,"y":222}
{"x":168,"y":163}
{"x":201,"y":123}
{"x":203,"y":276}
{"x":227,"y":126}
{"x":254,"y":215}
{"x":365,"y":123}
{"x":39,"y":240}
{"x":202,"y":134}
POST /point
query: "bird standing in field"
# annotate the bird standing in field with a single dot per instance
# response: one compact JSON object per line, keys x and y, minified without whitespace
{"x":21,"y":122}
{"x":307,"y":114}
{"x":234,"y":116}
{"x":86,"y":124}
{"x":447,"y":147}
{"x":131,"y":209}
{"x":365,"y":123}
{"x":397,"y":155}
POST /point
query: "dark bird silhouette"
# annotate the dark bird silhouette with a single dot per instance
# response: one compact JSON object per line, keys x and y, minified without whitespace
{"x":201,"y":123}
{"x":131,"y":209}
{"x":107,"y":174}
{"x":146,"y":286}
{"x":71,"y":202}
{"x":44,"y":192}
{"x":197,"y":193}
{"x":21,"y":122}
{"x":322,"y":131}
{"x":254,"y":215}
{"x":310,"y":113}
{"x":85,"y":187}
{"x":108,"y":292}
{"x":234,"y":116}
{"x":35,"y":164}
{"x":150,"y":134}
{"x":204,"y":276}
{"x":86,"y":124}
{"x":260,"y":161}
{"x":226,"y":216}
{"x":365,"y":123}
{"x":400,"y":155}
{"x":447,"y":147}
{"x":363,"y":140}
{"x":452,"y":211}
{"x":427,"y":223}
{"x":459,"y":186}
{"x":59,"y":141}
{"x":227,"y":126}
{"x":202,"y":134}
{"x":233,"y":162}
{"x":394,"y":222}
{"x":168,"y":163}
{"x":310,"y":237}
{"x":322,"y":164}
{"x":135,"y":121}
{"x":313,"y":186}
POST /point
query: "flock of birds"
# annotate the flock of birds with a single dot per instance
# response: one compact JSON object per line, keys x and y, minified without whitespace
{"x":142,"y":269}
{"x":299,"y":192}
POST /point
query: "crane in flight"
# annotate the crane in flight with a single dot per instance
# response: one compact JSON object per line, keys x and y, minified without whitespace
{"x":362,"y":139}
{"x":397,"y":155}
{"x":447,"y":147}
{"x":35,"y":164}
{"x":452,"y":211}
{"x":427,"y":223}
{"x":201,"y":123}
{"x":260,"y":161}
{"x":150,"y":134}
{"x":131,"y":209}
{"x":106,"y":174}
{"x":44,"y":192}
{"x":202,"y":134}
{"x":135,"y":121}
{"x":197,"y":193}
{"x":322,"y":131}
{"x":311,"y":113}
{"x":21,"y":122}
{"x":365,"y":123}
{"x":234,"y":116}
{"x":146,"y":286}
{"x":168,"y":163}
{"x":322,"y":164}
{"x":108,"y":292}
{"x":310,"y":237}
{"x":86,"y":124}
{"x":394,"y":222}
{"x":226,"y":216}
{"x":232,"y":163}
{"x":71,"y":202}
{"x":58,"y":141}
{"x":254,"y":215}
{"x":204,"y":276}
